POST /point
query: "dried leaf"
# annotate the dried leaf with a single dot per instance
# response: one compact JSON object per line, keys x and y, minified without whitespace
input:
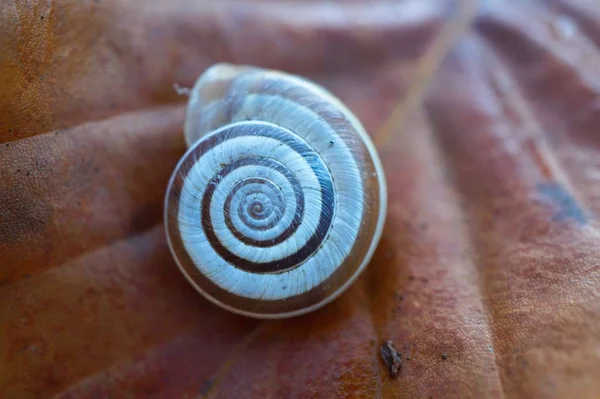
{"x":486,"y":118}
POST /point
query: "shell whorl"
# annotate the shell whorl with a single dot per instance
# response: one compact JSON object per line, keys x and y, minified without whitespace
{"x":279,"y":202}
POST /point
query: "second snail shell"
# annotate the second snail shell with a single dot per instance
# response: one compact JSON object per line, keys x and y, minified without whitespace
{"x":280,"y":200}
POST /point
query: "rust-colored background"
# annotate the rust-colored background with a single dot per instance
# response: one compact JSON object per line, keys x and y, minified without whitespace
{"x":487,"y":119}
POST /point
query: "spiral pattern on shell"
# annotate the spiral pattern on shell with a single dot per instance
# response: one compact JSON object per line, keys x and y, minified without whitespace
{"x":279,"y":202}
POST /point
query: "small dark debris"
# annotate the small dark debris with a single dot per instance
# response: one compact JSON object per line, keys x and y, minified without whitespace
{"x":223,"y":165}
{"x":7,"y":144}
{"x":206,"y":387}
{"x":445,"y":355}
{"x":96,"y":169}
{"x":411,"y":278}
{"x":284,"y":287}
{"x":18,"y":170}
{"x":330,"y":144}
{"x":10,"y":130}
{"x":424,"y":226}
{"x":398,"y":296}
{"x":28,"y":173}
{"x":391,"y":357}
{"x":42,"y":17}
{"x":408,"y":357}
{"x":335,"y":374}
{"x":424,"y":279}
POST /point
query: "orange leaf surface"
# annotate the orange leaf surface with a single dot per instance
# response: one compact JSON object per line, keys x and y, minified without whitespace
{"x":487,"y":279}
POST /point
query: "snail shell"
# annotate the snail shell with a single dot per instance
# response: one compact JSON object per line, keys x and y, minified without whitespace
{"x":280,"y":200}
